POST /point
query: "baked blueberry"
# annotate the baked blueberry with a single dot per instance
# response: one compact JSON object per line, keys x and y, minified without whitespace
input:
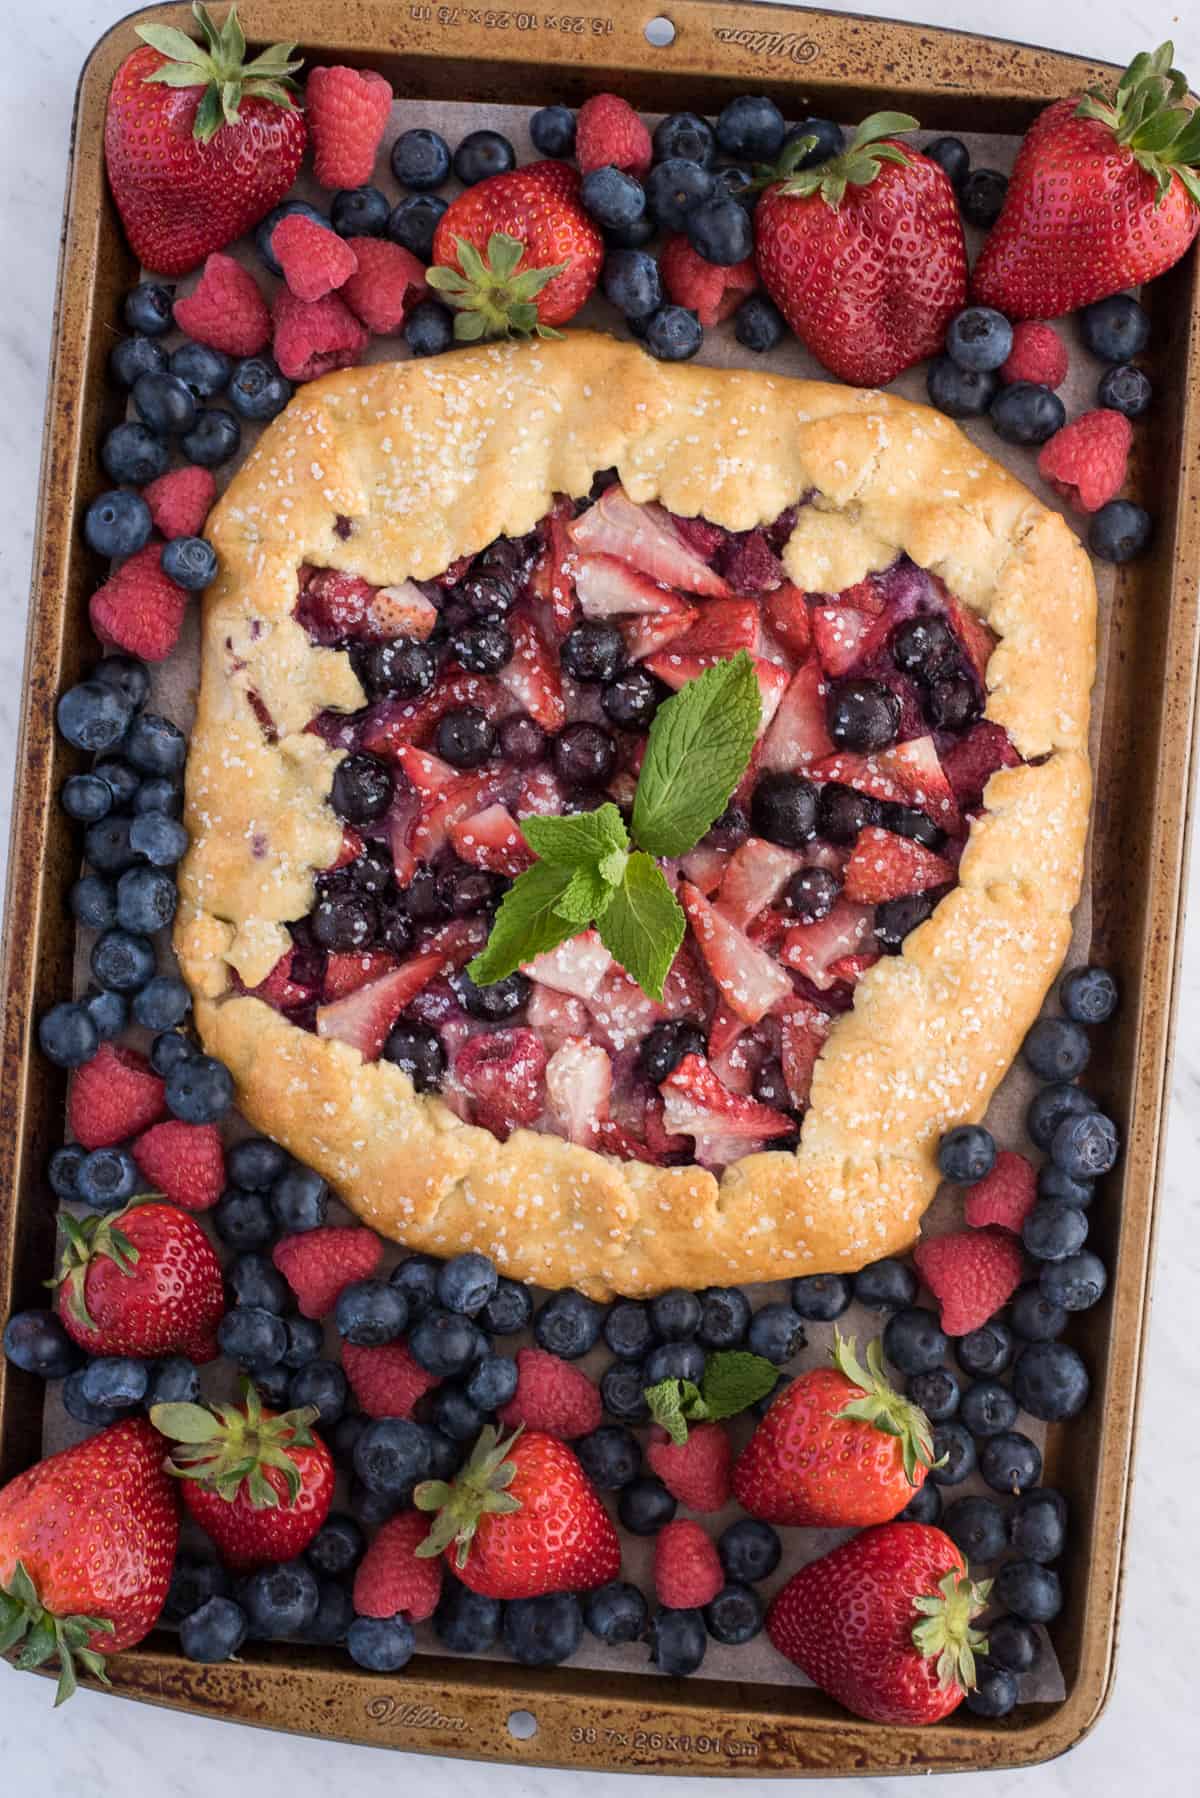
{"x":344,"y":920}
{"x":784,"y":809}
{"x":465,"y":737}
{"x":953,"y":701}
{"x":493,"y":1003}
{"x":631,"y":699}
{"x":482,"y":647}
{"x":862,"y":715}
{"x":417,"y":1049}
{"x":593,"y":651}
{"x":812,"y":893}
{"x":842,"y":812}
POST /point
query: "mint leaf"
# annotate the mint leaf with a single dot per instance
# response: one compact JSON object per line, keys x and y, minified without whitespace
{"x":582,"y":840}
{"x":667,"y":1402}
{"x":527,"y":923}
{"x":697,"y":751}
{"x":643,"y":924}
{"x":585,"y":897}
{"x":735,"y":1380}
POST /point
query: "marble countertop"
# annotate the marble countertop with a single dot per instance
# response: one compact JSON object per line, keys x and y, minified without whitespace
{"x":1149,"y":1734}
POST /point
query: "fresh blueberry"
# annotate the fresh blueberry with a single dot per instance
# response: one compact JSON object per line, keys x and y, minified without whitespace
{"x":1054,"y":1229}
{"x":614,"y":199}
{"x":979,"y":339}
{"x":106,"y":846}
{"x":359,"y":212}
{"x":147,"y":308}
{"x":615,"y":1613}
{"x":86,"y":798}
{"x":255,"y":1280}
{"x":136,"y":356}
{"x":94,"y":715}
{"x":735,"y":183}
{"x":568,"y":1325}
{"x":966,"y":1154}
{"x":1013,"y":1643}
{"x":1038,"y":1524}
{"x":109,"y":1012}
{"x":214,"y":1631}
{"x":412,"y":224}
{"x":678,"y":1640}
{"x":491,"y":1382}
{"x":1119,"y":531}
{"x":129,"y":675}
{"x":633,"y":283}
{"x":1053,"y":1184}
{"x":335,"y":1615}
{"x":720,"y":231}
{"x":107,"y":1179}
{"x":735,"y":1615}
{"x":1085,"y":1146}
{"x":373,"y":1508}
{"x":678,"y":1361}
{"x":988,"y":1408}
{"x":937,"y":1393}
{"x":194,"y":1580}
{"x":982,"y":197}
{"x":1033,"y":1316}
{"x":215,"y":437}
{"x":77,"y":1407}
{"x":925,"y":1505}
{"x":552,"y":130}
{"x":1075,"y":1284}
{"x":117,"y":523}
{"x":1050,"y":1381}
{"x":1116,"y":329}
{"x":828,"y":141}
{"x":164,"y":403}
{"x":776,"y":1333}
{"x":271,"y":1385}
{"x":977,"y":1526}
{"x":952,"y":157}
{"x":675,"y":1315}
{"x":542,"y":1632}
{"x":724,"y":1317}
{"x":265,"y":231}
{"x":673,"y":334}
{"x":162,"y":841}
{"x":168,"y":1049}
{"x":153,"y":745}
{"x":628,"y":1330}
{"x":674,"y":188}
{"x":191,"y":562}
{"x":392,"y":1455}
{"x":821,"y":1298}
{"x":253,"y":1337}
{"x":954,"y":1453}
{"x":1125,"y":389}
{"x":36,"y":1342}
{"x":1051,"y":1107}
{"x":508,"y":1310}
{"x":913,"y":1340}
{"x":1027,"y":413}
{"x":750,"y":1551}
{"x":63,"y":1170}
{"x":199,"y":1091}
{"x":1028,"y":1590}
{"x":611,"y":1457}
{"x":381,"y":1644}
{"x":163,"y":1002}
{"x":206,"y":371}
{"x":1056,"y":1049}
{"x":321,"y":1384}
{"x":751,"y":129}
{"x":483,"y":153}
{"x":115,"y":1382}
{"x":421,"y":159}
{"x":344,"y":1437}
{"x":173,"y":1381}
{"x":466,"y":1283}
{"x":466,"y":1622}
{"x":445,"y":1456}
{"x":1010,"y":1462}
{"x":280,"y":1599}
{"x":122,"y":960}
{"x":758,"y":324}
{"x":120,"y":776}
{"x":886,"y":1285}
{"x":682,"y":136}
{"x":337,"y":1547}
{"x":416,"y":1277}
{"x":622,"y":1388}
{"x":370,"y":1312}
{"x":299,"y":1199}
{"x":994,"y":1692}
{"x":957,"y":391}
{"x":986,"y":1351}
{"x":446,"y":1344}
{"x":305,"y":1338}
{"x":257,"y":389}
{"x":1089,"y":995}
{"x":255,"y":1163}
{"x":645,"y":1506}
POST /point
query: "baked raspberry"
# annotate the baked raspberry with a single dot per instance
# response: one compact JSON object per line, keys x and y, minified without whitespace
{"x":388,"y":282}
{"x":181,"y":500}
{"x":313,"y":337}
{"x":225,"y":309}
{"x":139,"y":608}
{"x":609,"y":132}
{"x":347,"y":112}
{"x":1086,"y":460}
{"x":314,"y":260}
{"x":1038,"y":354}
{"x":503,"y":1074}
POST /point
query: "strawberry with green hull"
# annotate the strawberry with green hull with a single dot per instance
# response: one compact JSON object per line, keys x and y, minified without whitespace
{"x":884,"y":1624}
{"x":259,"y":1483}
{"x":199,"y":143}
{"x":87,"y":1542}
{"x":144,"y":1281}
{"x":1104,"y":195}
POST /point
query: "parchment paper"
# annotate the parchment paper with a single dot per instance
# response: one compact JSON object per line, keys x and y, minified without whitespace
{"x":755,"y":1663}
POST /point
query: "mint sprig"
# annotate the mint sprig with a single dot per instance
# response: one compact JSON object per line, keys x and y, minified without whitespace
{"x":732,"y":1382}
{"x":591,"y":870}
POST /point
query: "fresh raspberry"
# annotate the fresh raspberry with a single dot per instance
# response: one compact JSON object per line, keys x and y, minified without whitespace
{"x":971,"y":761}
{"x":687,"y":1568}
{"x":226,"y":310}
{"x":1086,"y":460}
{"x":388,"y":283}
{"x":139,"y":608}
{"x":608,"y":130}
{"x":115,"y":1095}
{"x":314,"y":260}
{"x":713,"y":293}
{"x":318,"y":1263}
{"x":185,"y":1162}
{"x":1006,"y":1196}
{"x":313,"y":337}
{"x":181,"y":500}
{"x":1038,"y":354}
{"x":347,"y":112}
{"x":696,"y":1472}
{"x":971,"y":1273}
{"x":392,"y":1578}
{"x":553,"y":1396}
{"x":385,"y":1381}
{"x":750,"y":565}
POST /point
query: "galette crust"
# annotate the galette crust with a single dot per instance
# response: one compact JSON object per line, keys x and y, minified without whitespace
{"x":430,"y":460}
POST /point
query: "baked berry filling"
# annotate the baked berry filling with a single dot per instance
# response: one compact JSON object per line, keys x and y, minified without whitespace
{"x":524,"y":681}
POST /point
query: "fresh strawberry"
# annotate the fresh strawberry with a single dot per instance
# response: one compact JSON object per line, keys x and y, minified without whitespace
{"x":798,"y":734}
{"x":1038,"y":354}
{"x":864,"y":255}
{"x":517,"y":251}
{"x":803,"y":1031}
{"x":750,"y":981}
{"x":184,"y":1162}
{"x":709,"y":290}
{"x":1004,"y":1197}
{"x":814,"y":949}
{"x":1086,"y":461}
{"x":114,"y":1095}
{"x":392,"y":1577}
{"x":363,"y":1018}
{"x":558,"y":1538}
{"x":348,"y":111}
{"x":786,"y":613}
{"x":181,"y":500}
{"x":841,"y":635}
{"x":385,"y":1380}
{"x":314,"y":259}
{"x":87,"y":1543}
{"x":313,"y":337}
{"x":971,"y":1273}
{"x":971,"y":761}
{"x":258,"y":1483}
{"x":504,"y":1075}
{"x":839,"y":1448}
{"x":608,"y":132}
{"x":532,"y":675}
{"x":387,"y":283}
{"x":755,"y":876}
{"x":696,"y":1472}
{"x":577,"y":966}
{"x":192,"y":167}
{"x":687,"y":1567}
{"x":143,"y":1281}
{"x":883,"y":1624}
{"x":139,"y":609}
{"x":696,"y":1104}
{"x":317,"y":1264}
{"x":578,"y":1087}
{"x":346,"y":973}
{"x":225,"y":309}
{"x":553,"y":1396}
{"x":883,"y":865}
{"x":1104,"y":195}
{"x":648,"y":539}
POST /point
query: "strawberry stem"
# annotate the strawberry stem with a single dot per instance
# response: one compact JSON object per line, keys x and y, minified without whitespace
{"x":45,"y":1637}
{"x":945,"y":1627}
{"x":882,"y":1406}
{"x":857,"y":166}
{"x":1145,"y":119}
{"x":218,"y":65}
{"x":489,"y":297}
{"x":226,"y":1447}
{"x":86,"y":1239}
{"x":480,"y":1489}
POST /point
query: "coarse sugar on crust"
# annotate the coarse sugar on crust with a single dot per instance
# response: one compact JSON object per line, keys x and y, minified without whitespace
{"x":432,"y":460}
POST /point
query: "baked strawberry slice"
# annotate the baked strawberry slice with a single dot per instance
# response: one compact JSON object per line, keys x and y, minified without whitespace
{"x":971,"y":631}
{"x":646,"y":537}
{"x":503,"y":1074}
{"x":756,"y":875}
{"x":363,"y":1018}
{"x":810,"y":948}
{"x":851,"y":968}
{"x":577,"y":966}
{"x":398,"y":822}
{"x":621,"y":1011}
{"x":541,"y":794}
{"x":555,"y":1016}
{"x":490,"y":839}
{"x":723,"y":627}
{"x":865,"y":773}
{"x":798,"y":735}
{"x":279,"y":989}
{"x":578,"y":1086}
{"x":652,"y":633}
{"x":748,"y":979}
{"x":455,"y":943}
{"x":532,"y":676}
{"x":883,"y":866}
{"x":724,"y":1030}
{"x":332,"y":605}
{"x":840,"y":634}
{"x":401,"y":611}
{"x":696,"y":1104}
{"x":706,"y":539}
{"x":786,"y":614}
{"x":916,"y":766}
{"x":466,"y":795}
{"x":350,"y":848}
{"x":607,"y":588}
{"x":552,"y":580}
{"x":346,"y":973}
{"x":773,"y":683}
{"x":393,"y":722}
{"x":970,"y":762}
{"x":705,"y":867}
{"x":865,"y":596}
{"x":432,"y":777}
{"x":803,"y":1030}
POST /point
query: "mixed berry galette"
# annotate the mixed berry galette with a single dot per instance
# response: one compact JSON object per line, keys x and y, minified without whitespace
{"x":715,"y":1045}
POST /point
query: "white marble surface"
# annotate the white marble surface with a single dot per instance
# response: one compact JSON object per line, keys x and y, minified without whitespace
{"x":1148,"y":1737}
